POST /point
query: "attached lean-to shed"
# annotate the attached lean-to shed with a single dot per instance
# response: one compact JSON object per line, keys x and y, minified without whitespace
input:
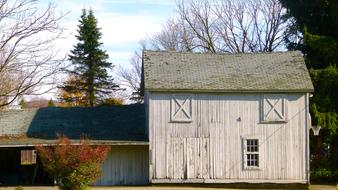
{"x":227,"y":118}
{"x":120,"y":127}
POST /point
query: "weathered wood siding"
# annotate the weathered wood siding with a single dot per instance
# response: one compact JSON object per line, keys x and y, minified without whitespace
{"x":125,"y":165}
{"x":210,"y":146}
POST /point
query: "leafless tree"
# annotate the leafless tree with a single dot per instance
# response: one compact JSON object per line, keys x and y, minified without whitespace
{"x":225,"y":26}
{"x":174,"y":37}
{"x":250,"y":26}
{"x":28,"y":59}
{"x":198,"y":18}
{"x":131,"y":77}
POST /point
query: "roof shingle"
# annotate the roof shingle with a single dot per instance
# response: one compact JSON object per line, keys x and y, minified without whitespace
{"x":205,"y":72}
{"x":106,"y":124}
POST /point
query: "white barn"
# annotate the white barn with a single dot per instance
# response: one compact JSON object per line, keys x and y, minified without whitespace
{"x":227,"y":118}
{"x":206,"y":119}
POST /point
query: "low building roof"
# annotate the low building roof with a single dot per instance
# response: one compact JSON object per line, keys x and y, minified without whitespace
{"x":102,"y":125}
{"x":244,"y":72}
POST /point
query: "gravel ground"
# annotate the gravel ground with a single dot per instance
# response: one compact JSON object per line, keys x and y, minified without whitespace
{"x":312,"y":187}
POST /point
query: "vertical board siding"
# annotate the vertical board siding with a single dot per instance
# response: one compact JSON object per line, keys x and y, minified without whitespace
{"x":125,"y":165}
{"x":210,"y":146}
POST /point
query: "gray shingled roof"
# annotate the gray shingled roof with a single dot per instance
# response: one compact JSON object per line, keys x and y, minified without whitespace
{"x":205,"y":72}
{"x":105,"y":125}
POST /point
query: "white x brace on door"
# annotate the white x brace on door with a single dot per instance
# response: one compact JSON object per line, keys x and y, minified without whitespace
{"x":181,"y":108}
{"x":274,"y":107}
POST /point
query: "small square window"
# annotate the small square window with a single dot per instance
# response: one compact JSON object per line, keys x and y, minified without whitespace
{"x":28,"y":157}
{"x":252,"y":160}
{"x":252,"y":145}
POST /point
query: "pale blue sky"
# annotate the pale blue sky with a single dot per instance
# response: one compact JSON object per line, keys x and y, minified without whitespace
{"x":124,"y":23}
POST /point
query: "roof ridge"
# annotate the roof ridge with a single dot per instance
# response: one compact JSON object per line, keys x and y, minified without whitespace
{"x":221,"y":53}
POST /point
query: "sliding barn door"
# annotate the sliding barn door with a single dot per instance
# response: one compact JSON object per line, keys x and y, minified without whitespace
{"x":189,"y":158}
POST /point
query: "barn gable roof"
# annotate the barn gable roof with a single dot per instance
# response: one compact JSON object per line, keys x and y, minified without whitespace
{"x":102,"y":125}
{"x":245,"y":72}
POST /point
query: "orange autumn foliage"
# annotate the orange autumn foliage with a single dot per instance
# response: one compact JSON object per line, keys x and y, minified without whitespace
{"x":73,"y":97}
{"x":74,"y":167}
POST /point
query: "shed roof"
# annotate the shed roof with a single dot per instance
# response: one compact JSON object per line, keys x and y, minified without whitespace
{"x":244,"y":72}
{"x":102,"y":125}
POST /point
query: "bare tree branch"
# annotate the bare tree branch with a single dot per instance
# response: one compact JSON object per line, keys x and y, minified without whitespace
{"x":224,"y":26}
{"x":174,"y":37}
{"x":131,"y":77}
{"x":28,"y":58}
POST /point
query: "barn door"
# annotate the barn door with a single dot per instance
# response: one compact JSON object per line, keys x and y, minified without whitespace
{"x":189,"y":158}
{"x":177,"y":159}
{"x":197,"y":158}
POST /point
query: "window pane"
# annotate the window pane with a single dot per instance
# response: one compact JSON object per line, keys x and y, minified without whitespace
{"x":252,"y":145}
{"x":252,"y":159}
{"x":255,"y":158}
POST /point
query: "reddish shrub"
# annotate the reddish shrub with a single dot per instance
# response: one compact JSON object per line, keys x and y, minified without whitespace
{"x":74,"y":167}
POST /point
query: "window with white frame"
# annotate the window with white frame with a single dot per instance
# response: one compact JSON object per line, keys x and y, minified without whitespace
{"x":251,"y":153}
{"x":274,"y":108}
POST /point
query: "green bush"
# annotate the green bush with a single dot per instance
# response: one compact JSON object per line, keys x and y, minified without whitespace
{"x":322,"y":175}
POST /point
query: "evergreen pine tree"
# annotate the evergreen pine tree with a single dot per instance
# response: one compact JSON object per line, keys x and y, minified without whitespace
{"x":315,"y":23}
{"x":90,"y":63}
